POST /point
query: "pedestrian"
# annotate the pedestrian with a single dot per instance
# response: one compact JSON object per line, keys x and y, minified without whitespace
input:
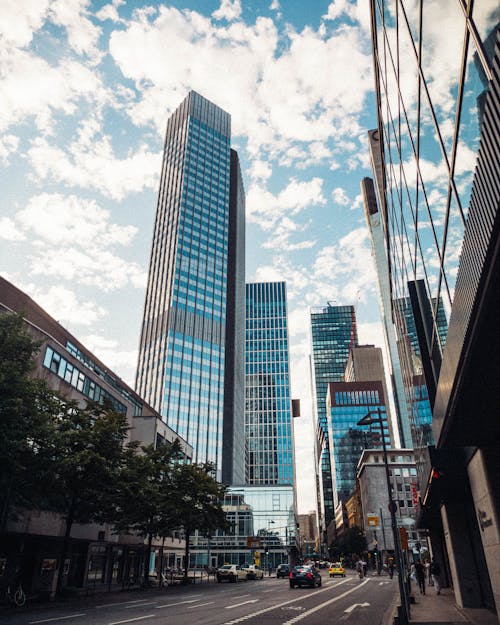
{"x":390,"y":566}
{"x":435,"y":571}
{"x":427,"y":572}
{"x":420,"y":575}
{"x":359,"y":568}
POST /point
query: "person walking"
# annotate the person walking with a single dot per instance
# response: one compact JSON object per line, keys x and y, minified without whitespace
{"x":435,"y":571}
{"x":420,"y":575}
{"x":390,"y":567}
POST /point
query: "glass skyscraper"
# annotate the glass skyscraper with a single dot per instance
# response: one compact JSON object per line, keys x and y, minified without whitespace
{"x":334,"y":332}
{"x":195,"y":293}
{"x":268,"y":406}
{"x":437,"y":79}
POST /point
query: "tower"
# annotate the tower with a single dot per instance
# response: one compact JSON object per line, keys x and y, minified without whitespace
{"x":195,"y":291}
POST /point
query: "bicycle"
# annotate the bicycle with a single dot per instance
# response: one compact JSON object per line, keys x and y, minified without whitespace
{"x":18,"y":597}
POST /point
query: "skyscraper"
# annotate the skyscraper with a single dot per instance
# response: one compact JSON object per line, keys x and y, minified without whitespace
{"x":194,"y":297}
{"x":437,"y":78}
{"x":334,"y":333}
{"x":268,"y":407}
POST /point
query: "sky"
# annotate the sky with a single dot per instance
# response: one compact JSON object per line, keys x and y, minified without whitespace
{"x":86,"y":90}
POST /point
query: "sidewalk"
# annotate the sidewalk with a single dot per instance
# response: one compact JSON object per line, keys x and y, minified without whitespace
{"x":432,"y":609}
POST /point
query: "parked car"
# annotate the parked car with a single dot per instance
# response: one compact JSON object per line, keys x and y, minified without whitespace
{"x":283,"y":570}
{"x":336,"y":568}
{"x":231,"y":573}
{"x":253,"y":572}
{"x":305,"y":576}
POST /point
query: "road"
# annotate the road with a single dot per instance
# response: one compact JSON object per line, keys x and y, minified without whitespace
{"x":346,"y":601}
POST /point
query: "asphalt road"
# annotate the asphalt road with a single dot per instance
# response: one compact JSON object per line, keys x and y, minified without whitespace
{"x":348,"y":601}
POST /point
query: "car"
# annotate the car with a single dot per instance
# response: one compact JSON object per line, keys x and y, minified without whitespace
{"x":231,"y":573}
{"x":305,"y":576}
{"x":336,"y":568}
{"x":253,"y":571}
{"x":283,"y":570}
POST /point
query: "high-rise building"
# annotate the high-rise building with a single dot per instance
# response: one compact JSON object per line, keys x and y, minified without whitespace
{"x":191,"y":361}
{"x":437,"y":78}
{"x":268,"y":407}
{"x":334,"y":333}
{"x":348,"y":403}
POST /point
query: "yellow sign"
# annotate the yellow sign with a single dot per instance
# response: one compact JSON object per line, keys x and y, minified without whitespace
{"x":256,"y":558}
{"x":403,"y":535}
{"x":372,"y":520}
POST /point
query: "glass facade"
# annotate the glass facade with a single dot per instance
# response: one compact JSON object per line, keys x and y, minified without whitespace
{"x":334,"y":332}
{"x":268,"y":410}
{"x":181,"y":368}
{"x":432,"y":70}
{"x":347,"y":403}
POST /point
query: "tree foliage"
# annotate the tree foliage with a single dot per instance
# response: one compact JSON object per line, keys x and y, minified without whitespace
{"x":352,"y":541}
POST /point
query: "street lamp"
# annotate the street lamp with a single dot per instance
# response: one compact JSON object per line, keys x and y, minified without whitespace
{"x":370,"y":418}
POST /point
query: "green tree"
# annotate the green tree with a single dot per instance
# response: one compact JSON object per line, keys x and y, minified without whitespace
{"x":27,"y":408}
{"x":86,"y":455}
{"x":144,"y":501}
{"x":353,"y":541}
{"x":198,"y":502}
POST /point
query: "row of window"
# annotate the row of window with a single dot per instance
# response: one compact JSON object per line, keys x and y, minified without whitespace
{"x":77,"y":379}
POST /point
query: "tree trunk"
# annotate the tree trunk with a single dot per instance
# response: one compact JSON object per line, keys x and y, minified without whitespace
{"x":69,"y":523}
{"x":187,"y":534}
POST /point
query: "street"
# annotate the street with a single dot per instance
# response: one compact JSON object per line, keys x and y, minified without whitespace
{"x":267,"y":602}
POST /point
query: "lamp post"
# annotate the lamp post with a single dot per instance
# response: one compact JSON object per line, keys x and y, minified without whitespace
{"x":269,"y":522}
{"x":368,"y":419}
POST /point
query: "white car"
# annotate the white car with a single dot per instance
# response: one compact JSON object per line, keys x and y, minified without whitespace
{"x":231,"y":573}
{"x":253,"y":572}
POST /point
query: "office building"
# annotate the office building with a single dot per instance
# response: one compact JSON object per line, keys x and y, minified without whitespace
{"x":334,"y":333}
{"x":191,"y":358}
{"x":268,"y":407}
{"x":437,"y":78}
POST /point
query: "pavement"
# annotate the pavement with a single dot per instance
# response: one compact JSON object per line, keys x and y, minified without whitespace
{"x":433,"y":609}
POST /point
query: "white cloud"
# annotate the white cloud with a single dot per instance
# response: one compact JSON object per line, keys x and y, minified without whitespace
{"x":338,"y":8}
{"x":266,"y":209}
{"x":73,"y":238}
{"x":21,"y":19}
{"x":340,"y":196}
{"x":8,"y":145}
{"x":229,"y":10}
{"x":110,"y":351}
{"x":260,"y":170}
{"x":280,"y":238}
{"x":110,"y":11}
{"x":9,"y":231}
{"x":82,"y":34}
{"x":274,"y":6}
{"x":89,"y":162}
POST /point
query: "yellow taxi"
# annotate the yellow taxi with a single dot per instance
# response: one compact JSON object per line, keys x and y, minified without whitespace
{"x":336,"y":568}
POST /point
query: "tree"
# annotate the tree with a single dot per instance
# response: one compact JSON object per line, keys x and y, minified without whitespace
{"x":198,"y":502}
{"x":83,"y":474}
{"x":27,"y":408}
{"x":353,"y":540}
{"x":144,"y":502}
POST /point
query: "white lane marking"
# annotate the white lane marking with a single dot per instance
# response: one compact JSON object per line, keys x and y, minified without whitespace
{"x":279,"y":605}
{"x":107,"y":605}
{"x":356,"y":605}
{"x":236,"y":605}
{"x":57,"y":618}
{"x":272,"y":590}
{"x":130,"y":620}
{"x":168,"y":605}
{"x":240,"y":596}
{"x":383,"y":583}
{"x":198,"y":605}
{"x":141,"y":605}
{"x":296,"y":619}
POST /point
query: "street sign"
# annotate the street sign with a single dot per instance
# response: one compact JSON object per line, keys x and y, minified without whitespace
{"x":372,"y":520}
{"x":253,"y":542}
{"x":403,"y":535}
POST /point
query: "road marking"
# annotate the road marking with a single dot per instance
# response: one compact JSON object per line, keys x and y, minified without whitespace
{"x":323,"y":605}
{"x":198,"y":605}
{"x":130,"y":620}
{"x":57,"y":618}
{"x":240,"y":596}
{"x":272,"y":590}
{"x":236,"y":605}
{"x":382,"y":583}
{"x":168,"y":605}
{"x":356,"y":605}
{"x":141,"y":605}
{"x":279,"y":605}
{"x":107,"y":605}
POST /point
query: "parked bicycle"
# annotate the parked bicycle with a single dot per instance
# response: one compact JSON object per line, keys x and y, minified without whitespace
{"x":15,"y":597}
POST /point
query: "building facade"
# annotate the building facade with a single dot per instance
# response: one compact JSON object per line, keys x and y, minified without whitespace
{"x":334,"y":333}
{"x":437,"y":78}
{"x":268,"y":406}
{"x":98,"y":558}
{"x":191,"y":361}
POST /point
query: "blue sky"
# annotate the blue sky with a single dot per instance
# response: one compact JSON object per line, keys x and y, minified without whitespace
{"x":87,"y":89}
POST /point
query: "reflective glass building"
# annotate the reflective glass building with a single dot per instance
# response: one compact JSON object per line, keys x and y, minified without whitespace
{"x":268,"y":406}
{"x":437,"y":171}
{"x":334,"y":332}
{"x":194,"y":308}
